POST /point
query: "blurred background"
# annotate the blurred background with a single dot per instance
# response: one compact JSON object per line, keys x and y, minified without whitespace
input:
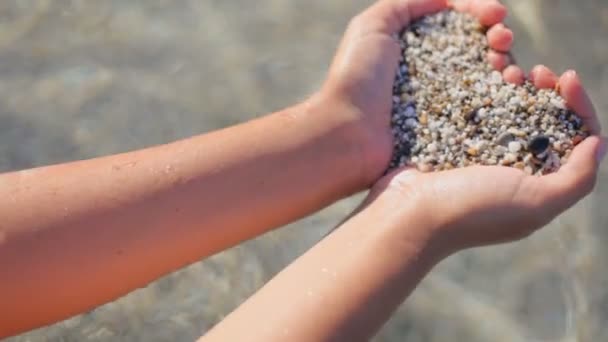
{"x":80,"y":79}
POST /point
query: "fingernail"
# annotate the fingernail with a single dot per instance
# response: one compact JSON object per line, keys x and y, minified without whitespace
{"x":572,"y":73}
{"x":602,"y":150}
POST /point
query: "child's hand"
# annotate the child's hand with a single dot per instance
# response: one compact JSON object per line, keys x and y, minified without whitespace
{"x":486,"y":205}
{"x":363,"y":71}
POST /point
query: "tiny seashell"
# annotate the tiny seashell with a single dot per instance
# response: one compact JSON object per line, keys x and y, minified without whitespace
{"x":538,"y":145}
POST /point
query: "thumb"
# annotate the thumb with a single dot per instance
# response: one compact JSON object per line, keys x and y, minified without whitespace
{"x":391,"y":16}
{"x":402,"y":180}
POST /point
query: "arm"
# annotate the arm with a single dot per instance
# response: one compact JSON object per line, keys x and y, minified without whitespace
{"x":78,"y":235}
{"x":347,"y":286}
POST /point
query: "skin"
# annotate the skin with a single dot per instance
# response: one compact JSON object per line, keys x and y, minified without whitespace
{"x":140,"y":215}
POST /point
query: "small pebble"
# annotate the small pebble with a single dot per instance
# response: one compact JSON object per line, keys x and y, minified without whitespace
{"x":505,"y":138}
{"x":514,"y":146}
{"x":510,"y":158}
{"x":423,"y":119}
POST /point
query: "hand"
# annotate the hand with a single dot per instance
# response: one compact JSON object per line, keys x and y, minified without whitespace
{"x":363,"y":71}
{"x":486,"y":205}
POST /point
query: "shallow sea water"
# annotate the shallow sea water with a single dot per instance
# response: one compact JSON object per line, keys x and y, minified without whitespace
{"x":80,"y":79}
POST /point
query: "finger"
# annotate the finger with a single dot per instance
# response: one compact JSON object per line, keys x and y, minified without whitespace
{"x":576,"y":178}
{"x":572,"y":90}
{"x":460,"y":5}
{"x":499,"y":60}
{"x":488,"y":12}
{"x":543,"y":78}
{"x":500,"y":37}
{"x":391,"y":16}
{"x":514,"y":74}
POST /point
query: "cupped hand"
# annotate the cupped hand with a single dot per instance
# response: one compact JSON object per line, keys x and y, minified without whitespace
{"x":485,"y":205}
{"x":363,"y":71}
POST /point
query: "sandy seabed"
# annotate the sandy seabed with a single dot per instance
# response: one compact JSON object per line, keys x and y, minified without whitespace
{"x":80,"y":79}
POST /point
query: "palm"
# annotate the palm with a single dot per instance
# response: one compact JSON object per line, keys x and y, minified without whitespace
{"x":492,"y":204}
{"x":366,"y":72}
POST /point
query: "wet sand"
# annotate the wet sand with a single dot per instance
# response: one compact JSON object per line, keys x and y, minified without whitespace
{"x":80,"y":79}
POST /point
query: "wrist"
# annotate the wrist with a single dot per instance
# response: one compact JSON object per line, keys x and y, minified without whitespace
{"x":405,"y":225}
{"x":370,"y":146}
{"x":322,"y":141}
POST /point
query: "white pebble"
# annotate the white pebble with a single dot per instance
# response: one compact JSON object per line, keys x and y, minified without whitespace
{"x":500,"y":111}
{"x":557,"y":103}
{"x":481,"y":145}
{"x":514,"y":146}
{"x":412,"y":123}
{"x":476,"y":102}
{"x":511,"y":157}
{"x":495,"y":78}
{"x":482,"y":113}
{"x":515,"y":100}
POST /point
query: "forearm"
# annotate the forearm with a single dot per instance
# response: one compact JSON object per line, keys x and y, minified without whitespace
{"x":77,"y":235}
{"x":343,"y":289}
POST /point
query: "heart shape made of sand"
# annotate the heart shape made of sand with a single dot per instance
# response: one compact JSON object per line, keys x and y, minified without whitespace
{"x":451,"y":109}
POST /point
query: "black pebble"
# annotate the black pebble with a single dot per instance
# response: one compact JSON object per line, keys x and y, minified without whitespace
{"x":539,"y":145}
